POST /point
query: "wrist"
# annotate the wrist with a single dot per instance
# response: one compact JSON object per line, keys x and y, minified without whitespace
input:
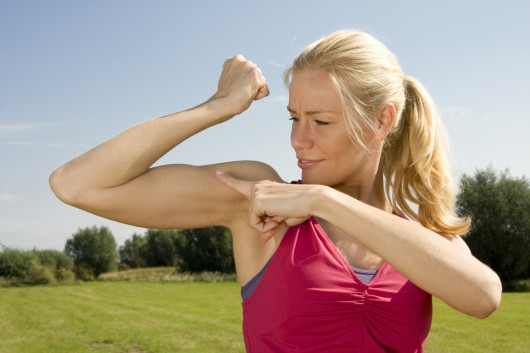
{"x":219,"y":109}
{"x":319,"y":202}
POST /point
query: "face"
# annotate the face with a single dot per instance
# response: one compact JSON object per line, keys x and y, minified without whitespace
{"x":319,"y":136}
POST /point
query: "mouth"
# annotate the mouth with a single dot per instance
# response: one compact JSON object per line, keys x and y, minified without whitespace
{"x":307,"y":163}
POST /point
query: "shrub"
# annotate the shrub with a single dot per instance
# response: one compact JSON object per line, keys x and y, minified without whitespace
{"x":40,"y":274}
{"x":19,"y":267}
{"x":15,"y":263}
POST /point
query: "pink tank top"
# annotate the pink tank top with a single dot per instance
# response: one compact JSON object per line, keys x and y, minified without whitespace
{"x":310,"y":300}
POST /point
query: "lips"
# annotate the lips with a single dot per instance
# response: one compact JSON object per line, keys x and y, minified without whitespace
{"x":307,"y":163}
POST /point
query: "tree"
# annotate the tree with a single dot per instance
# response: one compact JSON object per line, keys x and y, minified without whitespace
{"x":499,"y":206}
{"x":161,"y":248}
{"x":132,"y":252}
{"x":191,"y":250}
{"x":93,"y":250}
{"x":207,"y":249}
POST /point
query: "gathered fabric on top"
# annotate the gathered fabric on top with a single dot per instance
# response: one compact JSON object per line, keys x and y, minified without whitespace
{"x":310,"y":300}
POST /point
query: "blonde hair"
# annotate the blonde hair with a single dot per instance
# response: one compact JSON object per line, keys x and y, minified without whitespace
{"x":414,"y":162}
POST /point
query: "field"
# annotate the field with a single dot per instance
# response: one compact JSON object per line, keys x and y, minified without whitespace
{"x":159,"y":317}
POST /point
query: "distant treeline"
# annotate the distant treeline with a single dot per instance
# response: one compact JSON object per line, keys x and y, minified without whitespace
{"x":93,"y":251}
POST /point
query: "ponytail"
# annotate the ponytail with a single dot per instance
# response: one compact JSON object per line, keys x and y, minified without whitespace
{"x":416,"y":166}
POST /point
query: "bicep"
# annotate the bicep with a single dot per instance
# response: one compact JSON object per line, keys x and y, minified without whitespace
{"x":177,"y":196}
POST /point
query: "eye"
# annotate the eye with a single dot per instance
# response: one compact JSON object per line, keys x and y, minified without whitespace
{"x":293,"y":119}
{"x":320,"y":122}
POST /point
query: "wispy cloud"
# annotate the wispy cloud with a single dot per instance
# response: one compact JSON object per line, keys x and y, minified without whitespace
{"x":283,"y":99}
{"x":7,"y":197}
{"x":276,"y":64}
{"x":23,"y":127}
{"x":40,"y":144}
{"x":457,"y":112}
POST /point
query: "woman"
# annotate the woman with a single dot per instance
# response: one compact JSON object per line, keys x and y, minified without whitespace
{"x":330,"y":263}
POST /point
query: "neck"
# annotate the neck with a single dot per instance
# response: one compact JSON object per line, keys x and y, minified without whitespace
{"x":370,"y":190}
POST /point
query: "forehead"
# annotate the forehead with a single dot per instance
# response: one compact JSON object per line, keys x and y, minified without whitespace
{"x":312,"y":89}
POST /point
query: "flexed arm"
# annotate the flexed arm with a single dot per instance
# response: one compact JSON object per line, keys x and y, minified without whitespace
{"x":114,"y":179}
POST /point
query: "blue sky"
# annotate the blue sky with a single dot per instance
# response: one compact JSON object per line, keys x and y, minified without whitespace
{"x":75,"y":73}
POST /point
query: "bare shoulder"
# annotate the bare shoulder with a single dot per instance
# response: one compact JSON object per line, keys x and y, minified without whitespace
{"x":459,"y":243}
{"x":247,"y":170}
{"x":250,"y":254}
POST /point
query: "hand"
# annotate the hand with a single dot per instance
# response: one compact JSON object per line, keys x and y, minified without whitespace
{"x":241,"y":83}
{"x":273,"y":206}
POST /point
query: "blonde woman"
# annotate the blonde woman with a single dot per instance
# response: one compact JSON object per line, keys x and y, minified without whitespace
{"x":338,"y":261}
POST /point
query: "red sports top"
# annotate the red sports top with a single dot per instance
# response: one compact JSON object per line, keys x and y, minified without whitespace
{"x":310,"y":300}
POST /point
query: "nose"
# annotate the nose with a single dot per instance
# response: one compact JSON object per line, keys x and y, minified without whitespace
{"x":301,"y":135}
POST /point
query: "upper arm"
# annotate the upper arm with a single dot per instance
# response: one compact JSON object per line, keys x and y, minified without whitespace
{"x":177,"y":196}
{"x":459,"y":243}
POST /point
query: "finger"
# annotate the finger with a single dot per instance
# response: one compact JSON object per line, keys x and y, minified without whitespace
{"x":264,"y":237}
{"x":242,"y":186}
{"x":262,"y":92}
{"x":294,"y":221}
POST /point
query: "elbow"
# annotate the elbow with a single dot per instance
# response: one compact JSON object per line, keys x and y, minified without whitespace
{"x":487,"y":308}
{"x":490,"y":298}
{"x":63,"y":187}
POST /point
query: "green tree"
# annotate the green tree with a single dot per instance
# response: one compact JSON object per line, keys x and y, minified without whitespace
{"x":499,"y":206}
{"x":206,"y":249}
{"x":93,"y":250}
{"x":132,"y":252}
{"x":191,"y":250}
{"x":161,"y":247}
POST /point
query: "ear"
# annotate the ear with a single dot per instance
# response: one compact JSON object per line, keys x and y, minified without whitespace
{"x":385,"y":121}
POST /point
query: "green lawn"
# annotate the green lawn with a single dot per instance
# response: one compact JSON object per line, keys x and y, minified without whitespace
{"x":137,"y":317}
{"x":506,"y":330}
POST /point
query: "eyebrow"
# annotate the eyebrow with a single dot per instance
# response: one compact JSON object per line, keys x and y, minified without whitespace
{"x":311,"y":112}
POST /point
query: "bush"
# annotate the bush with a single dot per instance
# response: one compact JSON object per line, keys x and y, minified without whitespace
{"x":63,"y":275}
{"x":15,"y":263}
{"x":19,"y":267}
{"x":40,"y":274}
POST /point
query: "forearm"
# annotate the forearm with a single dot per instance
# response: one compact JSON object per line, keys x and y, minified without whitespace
{"x":132,"y":152}
{"x":433,"y":262}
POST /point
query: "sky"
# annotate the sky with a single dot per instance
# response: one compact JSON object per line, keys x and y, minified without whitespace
{"x":76,"y":73}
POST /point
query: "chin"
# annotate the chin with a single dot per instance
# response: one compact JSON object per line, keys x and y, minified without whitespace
{"x":314,"y":179}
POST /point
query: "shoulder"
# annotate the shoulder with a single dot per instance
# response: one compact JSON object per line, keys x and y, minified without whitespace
{"x":247,"y":170}
{"x":459,"y":243}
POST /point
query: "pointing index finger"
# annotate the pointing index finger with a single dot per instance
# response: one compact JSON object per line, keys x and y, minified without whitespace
{"x":241,"y":186}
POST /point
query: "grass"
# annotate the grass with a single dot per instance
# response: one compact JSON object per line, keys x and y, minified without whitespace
{"x":506,"y":330}
{"x":159,"y":317}
{"x":124,"y":317}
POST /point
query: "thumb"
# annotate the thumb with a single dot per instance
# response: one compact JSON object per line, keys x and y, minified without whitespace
{"x":242,"y":186}
{"x":262,"y":92}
